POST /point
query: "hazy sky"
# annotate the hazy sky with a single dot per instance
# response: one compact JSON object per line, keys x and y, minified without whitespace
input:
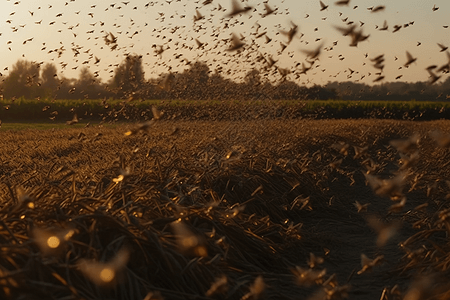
{"x":51,"y":31}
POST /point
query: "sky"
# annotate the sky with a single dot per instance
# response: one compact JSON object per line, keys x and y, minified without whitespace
{"x":52,"y":31}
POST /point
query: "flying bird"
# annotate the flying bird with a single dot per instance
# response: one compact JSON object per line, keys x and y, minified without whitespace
{"x":284,"y":71}
{"x":199,"y":44}
{"x":433,"y":77}
{"x":378,"y":8}
{"x":270,"y":61}
{"x":346,"y":30}
{"x":237,"y":8}
{"x":397,"y":28}
{"x":312,"y":54}
{"x":445,"y":68}
{"x":236,"y":43}
{"x":358,"y":36}
{"x":342,"y":2}
{"x":323,"y":6}
{"x":385,"y":26}
{"x":443,"y":48}
{"x":305,"y":69}
{"x":410,"y":59}
{"x":291,"y":33}
{"x":198,"y":16}
{"x":379,"y":78}
{"x":269,"y":10}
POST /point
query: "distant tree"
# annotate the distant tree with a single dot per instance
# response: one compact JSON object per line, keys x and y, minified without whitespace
{"x":87,"y":85}
{"x":218,"y":86}
{"x":66,"y":88}
{"x":22,"y":81}
{"x":195,"y":82}
{"x":199,"y":73}
{"x":252,"y":78}
{"x":129,"y":76}
{"x":49,"y":79}
{"x":289,"y":90}
{"x":252,"y":85}
{"x":86,"y":78}
{"x":446,"y":83}
{"x":445,"y":88}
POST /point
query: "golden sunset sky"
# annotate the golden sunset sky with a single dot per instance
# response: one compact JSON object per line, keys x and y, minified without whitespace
{"x":52,"y":31}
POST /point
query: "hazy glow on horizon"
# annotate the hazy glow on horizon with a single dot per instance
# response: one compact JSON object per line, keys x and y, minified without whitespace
{"x":83,"y":24}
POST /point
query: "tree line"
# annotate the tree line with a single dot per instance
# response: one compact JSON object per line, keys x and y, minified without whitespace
{"x":33,"y":80}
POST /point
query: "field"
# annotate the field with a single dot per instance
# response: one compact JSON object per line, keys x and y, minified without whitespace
{"x":108,"y":110}
{"x":201,"y":209}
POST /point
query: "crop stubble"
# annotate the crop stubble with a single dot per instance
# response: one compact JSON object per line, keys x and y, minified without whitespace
{"x":224,"y":210}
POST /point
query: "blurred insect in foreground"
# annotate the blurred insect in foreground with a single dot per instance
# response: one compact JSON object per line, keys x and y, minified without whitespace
{"x":73,"y":121}
{"x":392,"y":188}
{"x":384,"y":231}
{"x":24,"y":201}
{"x":367,"y":264}
{"x":422,"y":288}
{"x":361,"y":207}
{"x":123,"y":174}
{"x":314,"y":261}
{"x":408,"y":145}
{"x":308,"y":277}
{"x":105,"y":274}
{"x":52,"y":241}
{"x":144,"y":127}
{"x":166,"y":84}
{"x":219,"y":286}
{"x":231,"y":157}
{"x":24,"y":197}
{"x":256,"y":289}
{"x":442,"y":139}
{"x":188,"y":242}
